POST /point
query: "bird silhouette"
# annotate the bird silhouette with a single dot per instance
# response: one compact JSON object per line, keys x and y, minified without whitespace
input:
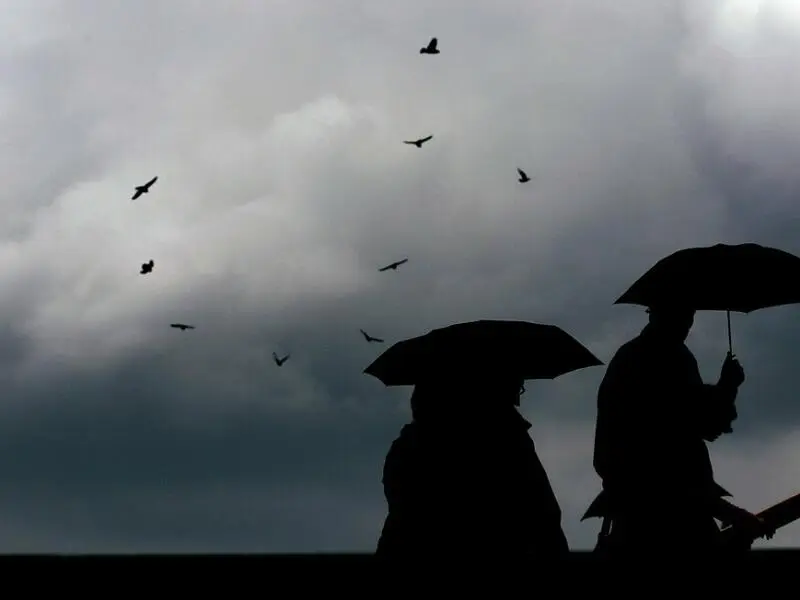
{"x":143,"y":189}
{"x":147,"y":267}
{"x":523,"y":176}
{"x":418,"y":143}
{"x":431,"y":48}
{"x":181,"y":326}
{"x":369,"y":338}
{"x":279,"y":361}
{"x":394,"y":265}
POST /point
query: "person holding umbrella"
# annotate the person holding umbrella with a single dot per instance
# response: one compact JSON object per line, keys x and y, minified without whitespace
{"x":463,"y":481}
{"x":655,"y":414}
{"x":654,"y":417}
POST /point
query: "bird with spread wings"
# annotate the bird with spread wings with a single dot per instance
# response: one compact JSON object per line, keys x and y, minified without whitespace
{"x":418,"y":143}
{"x":394,"y":265}
{"x":369,"y":338}
{"x":431,"y":48}
{"x":143,"y":189}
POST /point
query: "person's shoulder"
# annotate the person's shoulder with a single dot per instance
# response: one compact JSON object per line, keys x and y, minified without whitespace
{"x":630,"y":346}
{"x":404,"y":438}
{"x":408,"y":433}
{"x":401,"y":450}
{"x":631,"y":360}
{"x":628,"y":351}
{"x":687,"y":354}
{"x":414,"y":436}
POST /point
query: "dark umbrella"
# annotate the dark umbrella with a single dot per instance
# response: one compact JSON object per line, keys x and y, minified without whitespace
{"x":741,"y":278}
{"x":521,"y":349}
{"x":776,"y":516}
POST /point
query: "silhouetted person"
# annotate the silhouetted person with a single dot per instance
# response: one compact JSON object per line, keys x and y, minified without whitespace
{"x":654,"y":417}
{"x":463,"y":481}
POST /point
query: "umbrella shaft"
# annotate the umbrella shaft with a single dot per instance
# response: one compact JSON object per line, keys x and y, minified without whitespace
{"x":730,"y":342}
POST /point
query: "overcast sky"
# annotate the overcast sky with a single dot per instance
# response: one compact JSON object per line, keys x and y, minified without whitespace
{"x":276,"y":131}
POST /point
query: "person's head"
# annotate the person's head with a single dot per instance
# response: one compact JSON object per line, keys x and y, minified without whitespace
{"x":476,"y":394}
{"x":671,"y":321}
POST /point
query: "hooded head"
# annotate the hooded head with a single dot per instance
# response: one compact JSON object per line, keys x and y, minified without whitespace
{"x":469,"y":392}
{"x":671,"y":321}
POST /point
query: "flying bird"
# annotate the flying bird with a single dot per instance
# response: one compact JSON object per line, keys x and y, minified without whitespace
{"x":143,"y":189}
{"x":523,"y":176}
{"x":418,"y":143}
{"x":181,"y":326}
{"x":147,"y":267}
{"x":431,"y":48}
{"x":394,"y":265}
{"x":280,"y":361}
{"x":369,"y":338}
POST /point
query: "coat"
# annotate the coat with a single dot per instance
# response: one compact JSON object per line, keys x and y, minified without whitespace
{"x":471,"y":489}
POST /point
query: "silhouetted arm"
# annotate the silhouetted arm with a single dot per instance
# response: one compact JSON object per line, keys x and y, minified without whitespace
{"x":726,"y":393}
{"x":713,"y":405}
{"x":634,"y":423}
{"x":397,"y":536}
{"x":726,"y":511}
{"x":398,"y":472}
{"x":719,"y":411}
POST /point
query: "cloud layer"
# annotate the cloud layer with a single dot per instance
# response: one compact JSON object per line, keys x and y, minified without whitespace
{"x":276,"y":131}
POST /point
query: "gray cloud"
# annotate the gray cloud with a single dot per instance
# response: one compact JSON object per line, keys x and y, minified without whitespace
{"x":283,"y":185}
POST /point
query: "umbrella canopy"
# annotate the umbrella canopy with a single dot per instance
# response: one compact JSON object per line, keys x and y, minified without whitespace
{"x":515,"y":348}
{"x":740,"y":278}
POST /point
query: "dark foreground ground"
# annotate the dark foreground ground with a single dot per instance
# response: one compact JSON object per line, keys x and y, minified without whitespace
{"x":268,"y":574}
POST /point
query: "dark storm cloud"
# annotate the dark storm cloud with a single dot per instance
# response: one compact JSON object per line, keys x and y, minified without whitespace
{"x":104,"y":461}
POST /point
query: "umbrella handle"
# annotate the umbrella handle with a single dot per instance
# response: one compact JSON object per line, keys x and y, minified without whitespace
{"x":730,"y":343}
